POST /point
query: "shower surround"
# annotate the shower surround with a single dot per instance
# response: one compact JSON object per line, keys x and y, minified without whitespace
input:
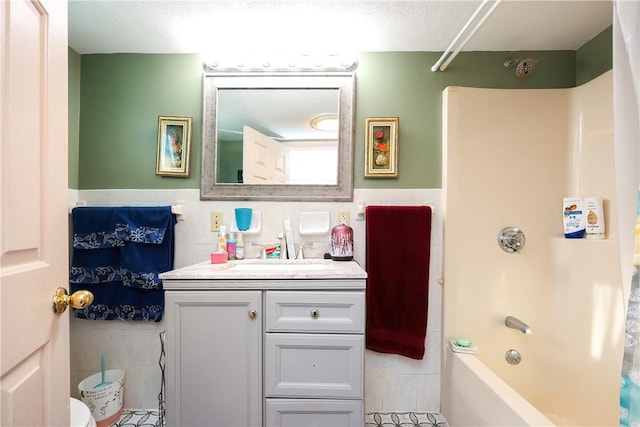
{"x":510,"y":156}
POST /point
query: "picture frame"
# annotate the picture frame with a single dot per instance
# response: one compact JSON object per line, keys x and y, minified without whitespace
{"x":381,"y":147}
{"x":174,"y":146}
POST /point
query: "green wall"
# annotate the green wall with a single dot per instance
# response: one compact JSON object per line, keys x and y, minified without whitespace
{"x":229,"y":160}
{"x":594,"y":57}
{"x":403,"y":85}
{"x":122,"y":96}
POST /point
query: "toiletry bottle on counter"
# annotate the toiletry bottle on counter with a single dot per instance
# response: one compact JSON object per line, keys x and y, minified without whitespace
{"x":239,"y":246}
{"x":222,"y":239}
{"x":595,"y":217}
{"x":573,"y":218}
{"x":231,"y":247}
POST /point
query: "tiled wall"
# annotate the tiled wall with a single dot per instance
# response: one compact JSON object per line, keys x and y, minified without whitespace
{"x":392,"y":382}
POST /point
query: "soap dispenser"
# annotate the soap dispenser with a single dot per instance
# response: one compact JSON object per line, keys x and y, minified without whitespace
{"x":342,"y":242}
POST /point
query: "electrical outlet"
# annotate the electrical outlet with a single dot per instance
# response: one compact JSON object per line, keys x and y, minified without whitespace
{"x":216,"y":221}
{"x":343,"y":217}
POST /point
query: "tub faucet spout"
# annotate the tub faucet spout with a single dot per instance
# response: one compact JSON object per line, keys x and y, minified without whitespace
{"x":518,"y":324}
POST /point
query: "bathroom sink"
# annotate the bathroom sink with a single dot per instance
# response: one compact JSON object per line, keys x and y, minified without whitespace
{"x":278,"y":265}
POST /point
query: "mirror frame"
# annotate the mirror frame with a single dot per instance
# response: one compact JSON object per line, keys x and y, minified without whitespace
{"x":344,"y":82}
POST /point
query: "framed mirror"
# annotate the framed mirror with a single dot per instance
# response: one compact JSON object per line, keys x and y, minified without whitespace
{"x":264,"y":137}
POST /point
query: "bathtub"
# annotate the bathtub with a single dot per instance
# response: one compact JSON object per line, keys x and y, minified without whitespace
{"x":474,"y":395}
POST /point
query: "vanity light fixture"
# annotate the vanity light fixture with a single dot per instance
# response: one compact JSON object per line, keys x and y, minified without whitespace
{"x":311,"y":63}
{"x":325,"y":121}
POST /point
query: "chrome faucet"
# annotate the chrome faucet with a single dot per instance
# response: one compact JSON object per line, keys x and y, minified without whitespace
{"x":300,"y":254}
{"x":518,"y":324}
{"x":263,"y":251}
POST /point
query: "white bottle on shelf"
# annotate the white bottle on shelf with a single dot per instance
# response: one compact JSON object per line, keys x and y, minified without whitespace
{"x":595,"y":217}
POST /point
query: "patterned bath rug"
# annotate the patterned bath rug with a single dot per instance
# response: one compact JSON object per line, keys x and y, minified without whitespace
{"x":404,"y":419}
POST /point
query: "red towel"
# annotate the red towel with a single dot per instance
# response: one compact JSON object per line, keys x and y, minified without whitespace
{"x":398,"y":252}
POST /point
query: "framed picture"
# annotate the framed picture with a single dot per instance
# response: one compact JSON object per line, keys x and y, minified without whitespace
{"x":381,"y":147}
{"x":174,"y":145}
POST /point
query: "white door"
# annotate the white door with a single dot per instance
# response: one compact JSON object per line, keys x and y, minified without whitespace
{"x":34,"y":353}
{"x":264,"y":159}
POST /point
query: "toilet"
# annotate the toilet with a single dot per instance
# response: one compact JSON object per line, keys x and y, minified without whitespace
{"x":80,"y":415}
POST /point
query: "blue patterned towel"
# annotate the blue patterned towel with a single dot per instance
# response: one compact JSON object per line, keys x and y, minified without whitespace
{"x":118,"y":253}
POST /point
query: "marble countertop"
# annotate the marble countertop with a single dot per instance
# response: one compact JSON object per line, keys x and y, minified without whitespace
{"x":269,"y":269}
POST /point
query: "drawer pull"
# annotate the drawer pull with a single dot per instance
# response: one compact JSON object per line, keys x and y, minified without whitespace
{"x":315,"y":313}
{"x":252,"y":314}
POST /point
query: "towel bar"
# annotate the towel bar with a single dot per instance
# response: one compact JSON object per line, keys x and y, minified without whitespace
{"x":177,"y":210}
{"x":361,"y":204}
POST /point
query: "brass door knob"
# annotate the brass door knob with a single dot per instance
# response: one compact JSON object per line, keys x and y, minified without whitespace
{"x":78,"y":299}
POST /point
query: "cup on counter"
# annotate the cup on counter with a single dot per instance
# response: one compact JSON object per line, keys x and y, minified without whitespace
{"x":243,"y":218}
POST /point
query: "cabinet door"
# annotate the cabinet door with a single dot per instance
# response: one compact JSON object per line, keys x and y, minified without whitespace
{"x":314,"y":413}
{"x":214,"y":358}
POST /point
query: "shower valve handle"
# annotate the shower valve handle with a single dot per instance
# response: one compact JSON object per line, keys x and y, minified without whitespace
{"x":511,"y":239}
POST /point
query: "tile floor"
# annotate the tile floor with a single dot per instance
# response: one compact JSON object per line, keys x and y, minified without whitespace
{"x":151,"y":418}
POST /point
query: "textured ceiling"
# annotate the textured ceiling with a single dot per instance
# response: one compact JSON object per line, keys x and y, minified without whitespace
{"x":327,"y":26}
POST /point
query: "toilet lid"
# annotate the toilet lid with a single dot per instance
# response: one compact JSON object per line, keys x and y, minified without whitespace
{"x":80,"y":414}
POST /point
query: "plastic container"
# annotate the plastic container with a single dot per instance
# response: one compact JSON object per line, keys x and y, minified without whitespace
{"x":219,"y":257}
{"x":231,"y":247}
{"x":239,"y":246}
{"x":573,"y":218}
{"x":105,"y":403}
{"x":595,"y":217}
{"x":222,"y":239}
{"x":243,"y":218}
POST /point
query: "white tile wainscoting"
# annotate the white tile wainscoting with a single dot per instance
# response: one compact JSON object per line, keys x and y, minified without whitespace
{"x":392,"y":382}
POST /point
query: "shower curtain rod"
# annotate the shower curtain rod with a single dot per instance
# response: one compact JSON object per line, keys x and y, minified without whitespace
{"x":448,"y":56}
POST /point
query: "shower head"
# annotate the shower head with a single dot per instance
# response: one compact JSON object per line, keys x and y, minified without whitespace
{"x":523,"y":66}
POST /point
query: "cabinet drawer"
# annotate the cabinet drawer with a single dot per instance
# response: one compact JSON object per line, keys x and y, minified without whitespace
{"x":314,"y":312}
{"x":314,"y":412}
{"x":318,"y":365}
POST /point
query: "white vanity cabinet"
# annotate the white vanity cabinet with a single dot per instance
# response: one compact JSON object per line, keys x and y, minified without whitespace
{"x":213,"y":358}
{"x":265,"y":348}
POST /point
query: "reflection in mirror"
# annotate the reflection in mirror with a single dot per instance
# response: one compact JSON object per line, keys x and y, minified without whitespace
{"x":279,"y":121}
{"x":264,"y":138}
